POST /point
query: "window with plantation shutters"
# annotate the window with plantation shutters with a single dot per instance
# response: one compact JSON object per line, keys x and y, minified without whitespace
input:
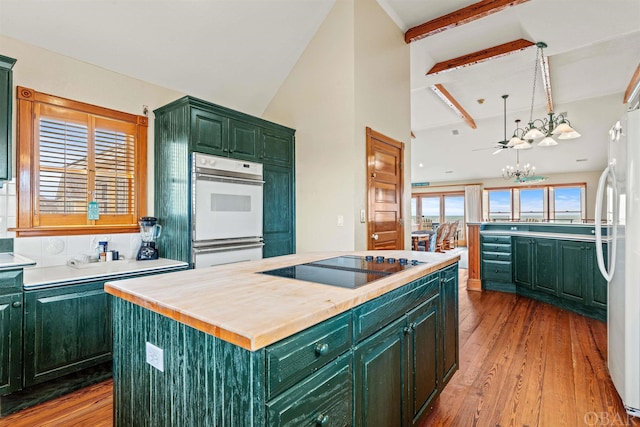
{"x":72,"y":154}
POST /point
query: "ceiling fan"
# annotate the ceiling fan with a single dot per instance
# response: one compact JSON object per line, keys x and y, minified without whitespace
{"x":500,"y":145}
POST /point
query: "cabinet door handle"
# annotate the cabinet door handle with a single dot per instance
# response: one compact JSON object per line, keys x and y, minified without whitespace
{"x":374,"y":236}
{"x":413,"y":326}
{"x":407,"y":330}
{"x":16,"y":304}
{"x":322,"y":420}
{"x":322,"y":349}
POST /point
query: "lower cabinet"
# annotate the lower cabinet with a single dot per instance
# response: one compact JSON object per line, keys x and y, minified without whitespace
{"x":573,"y":269}
{"x":66,"y":329}
{"x":10,"y":331}
{"x":535,"y":263}
{"x":379,"y":384}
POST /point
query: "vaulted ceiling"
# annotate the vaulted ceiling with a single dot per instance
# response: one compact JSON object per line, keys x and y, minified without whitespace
{"x":239,"y":52}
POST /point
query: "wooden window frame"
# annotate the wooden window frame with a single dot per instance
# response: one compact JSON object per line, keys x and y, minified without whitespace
{"x":27,"y":169}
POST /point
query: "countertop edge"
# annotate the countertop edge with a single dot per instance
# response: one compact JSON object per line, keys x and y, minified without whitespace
{"x":279,"y":332}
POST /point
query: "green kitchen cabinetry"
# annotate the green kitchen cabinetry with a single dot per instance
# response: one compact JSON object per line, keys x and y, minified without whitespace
{"x":535,"y":264}
{"x":556,"y":270}
{"x":381,"y":363}
{"x":450,"y":333}
{"x":11,"y":310}
{"x":278,"y":215}
{"x":190,"y":125}
{"x":6,"y":97}
{"x":574,"y":270}
{"x":496,"y":263}
{"x":67,"y":329}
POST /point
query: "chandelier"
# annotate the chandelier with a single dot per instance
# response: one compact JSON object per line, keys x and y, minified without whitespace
{"x":544,"y":130}
{"x":518,"y":173}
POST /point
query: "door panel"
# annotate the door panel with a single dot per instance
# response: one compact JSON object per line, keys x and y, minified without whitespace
{"x":379,"y":379}
{"x":384,"y":192}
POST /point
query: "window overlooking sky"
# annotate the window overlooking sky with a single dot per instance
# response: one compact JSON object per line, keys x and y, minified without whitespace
{"x":431,"y":208}
{"x":532,"y":204}
{"x":500,"y":205}
{"x":568,"y":203}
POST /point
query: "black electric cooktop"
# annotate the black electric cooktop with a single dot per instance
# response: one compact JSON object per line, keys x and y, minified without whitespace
{"x":345,"y":271}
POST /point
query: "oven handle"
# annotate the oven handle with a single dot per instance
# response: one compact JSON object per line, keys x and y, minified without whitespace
{"x":226,"y":248}
{"x":219,"y":178}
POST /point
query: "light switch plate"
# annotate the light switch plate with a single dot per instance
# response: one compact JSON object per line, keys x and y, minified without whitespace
{"x":363,"y":219}
{"x":155,"y":356}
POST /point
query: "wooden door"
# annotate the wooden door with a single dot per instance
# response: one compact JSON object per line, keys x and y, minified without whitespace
{"x":385,"y":228}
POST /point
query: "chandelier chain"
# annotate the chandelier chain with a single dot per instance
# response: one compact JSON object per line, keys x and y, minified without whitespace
{"x":535,"y":74}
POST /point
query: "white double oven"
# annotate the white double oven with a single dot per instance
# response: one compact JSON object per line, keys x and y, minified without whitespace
{"x":226,"y":210}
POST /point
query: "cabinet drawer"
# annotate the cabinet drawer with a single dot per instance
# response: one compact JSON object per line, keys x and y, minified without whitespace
{"x":496,"y":256}
{"x":496,"y":270}
{"x":496,"y":247}
{"x":375,"y":314}
{"x":10,"y":282}
{"x":290,"y":360}
{"x":496,"y":239}
{"x":324,"y":399}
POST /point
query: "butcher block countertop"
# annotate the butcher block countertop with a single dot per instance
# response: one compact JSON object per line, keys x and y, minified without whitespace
{"x":237,"y":304}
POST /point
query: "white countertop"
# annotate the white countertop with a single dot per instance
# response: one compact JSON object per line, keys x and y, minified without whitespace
{"x":9,"y":260}
{"x":37,"y":277}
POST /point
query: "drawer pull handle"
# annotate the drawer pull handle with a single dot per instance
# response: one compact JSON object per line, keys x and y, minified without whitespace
{"x":322,"y":420}
{"x":322,"y":349}
{"x":407,"y":330}
{"x":16,"y":304}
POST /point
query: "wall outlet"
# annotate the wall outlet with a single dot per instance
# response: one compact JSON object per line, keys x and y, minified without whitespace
{"x":155,"y":357}
{"x":340,"y":221}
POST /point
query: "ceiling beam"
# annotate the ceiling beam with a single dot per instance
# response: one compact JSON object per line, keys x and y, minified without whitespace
{"x":480,"y":56}
{"x":633,"y":86}
{"x":446,"y":97}
{"x":546,"y":82}
{"x":458,"y":17}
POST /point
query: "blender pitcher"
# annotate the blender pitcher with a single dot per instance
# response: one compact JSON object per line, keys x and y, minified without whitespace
{"x":150,"y":230}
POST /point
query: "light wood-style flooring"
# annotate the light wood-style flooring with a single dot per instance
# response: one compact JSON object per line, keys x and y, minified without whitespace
{"x":522,"y":363}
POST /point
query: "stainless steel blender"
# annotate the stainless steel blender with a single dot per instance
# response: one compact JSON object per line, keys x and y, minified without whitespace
{"x":150,"y":230}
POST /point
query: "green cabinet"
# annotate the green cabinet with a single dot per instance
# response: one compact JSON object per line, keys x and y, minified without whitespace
{"x":495,"y":262}
{"x":192,"y":125}
{"x":323,"y":399}
{"x":545,"y":273}
{"x":11,"y":309}
{"x":450,"y":333}
{"x":523,"y":261}
{"x":209,"y":132}
{"x":424,"y":331}
{"x":6,"y":97}
{"x":597,"y":293}
{"x":379,"y":364}
{"x":279,"y":211}
{"x":574,"y":270}
{"x":402,"y":368}
{"x":534,"y":264}
{"x":66,"y":329}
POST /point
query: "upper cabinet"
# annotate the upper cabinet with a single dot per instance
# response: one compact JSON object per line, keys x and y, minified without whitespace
{"x":6,"y":90}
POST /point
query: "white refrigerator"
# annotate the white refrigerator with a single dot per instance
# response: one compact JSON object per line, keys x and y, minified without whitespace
{"x":619,"y":259}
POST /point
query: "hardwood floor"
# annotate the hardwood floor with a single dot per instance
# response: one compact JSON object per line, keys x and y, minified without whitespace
{"x":522,"y":363}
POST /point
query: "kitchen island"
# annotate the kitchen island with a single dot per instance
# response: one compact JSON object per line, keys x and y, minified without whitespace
{"x":231,"y":346}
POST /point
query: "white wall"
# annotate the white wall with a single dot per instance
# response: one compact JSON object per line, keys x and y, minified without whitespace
{"x":353,"y":74}
{"x":49,"y":72}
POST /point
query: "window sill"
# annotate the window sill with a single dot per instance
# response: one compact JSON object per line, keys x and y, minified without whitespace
{"x":72,"y":231}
